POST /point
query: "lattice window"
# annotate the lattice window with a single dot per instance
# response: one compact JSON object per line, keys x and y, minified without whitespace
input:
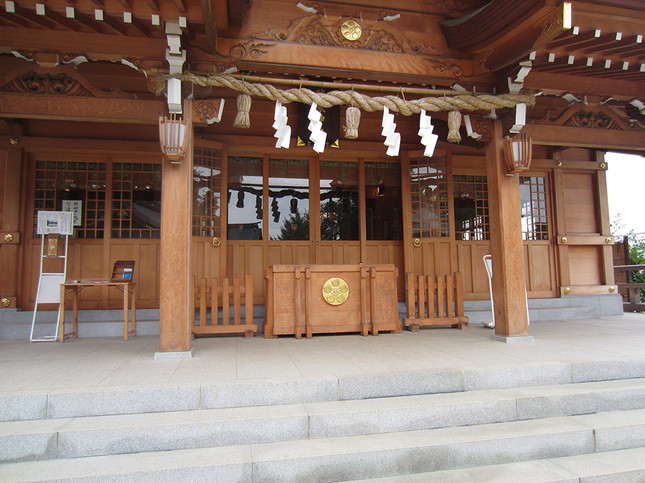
{"x":58,"y":181}
{"x":429,"y":193}
{"x":136,"y":200}
{"x":535,"y":223}
{"x":207,"y":192}
{"x":471,"y":207}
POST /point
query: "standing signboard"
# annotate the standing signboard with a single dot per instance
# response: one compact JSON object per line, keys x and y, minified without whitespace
{"x":51,"y":225}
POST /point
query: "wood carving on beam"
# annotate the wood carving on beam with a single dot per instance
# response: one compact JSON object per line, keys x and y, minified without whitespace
{"x":484,"y":127}
{"x":250,"y":48}
{"x":552,"y":26}
{"x":590,"y":117}
{"x":326,"y":32}
{"x":64,"y":81}
{"x":33,"y":83}
{"x":203,"y":110}
{"x":594,"y":120}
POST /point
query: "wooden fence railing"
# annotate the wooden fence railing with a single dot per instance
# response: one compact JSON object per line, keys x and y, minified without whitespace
{"x":435,"y":300}
{"x":633,"y":302}
{"x":217,"y":296}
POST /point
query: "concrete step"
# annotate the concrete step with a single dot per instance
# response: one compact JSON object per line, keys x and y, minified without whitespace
{"x":16,"y":324}
{"x":537,"y":314}
{"x":114,"y":400}
{"x":623,"y":465}
{"x":132,"y":433}
{"x":354,"y":457}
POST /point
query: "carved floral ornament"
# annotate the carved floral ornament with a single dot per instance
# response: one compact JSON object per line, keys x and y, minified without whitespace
{"x":591,"y":117}
{"x":65,"y":80}
{"x":58,"y":84}
{"x":351,"y":33}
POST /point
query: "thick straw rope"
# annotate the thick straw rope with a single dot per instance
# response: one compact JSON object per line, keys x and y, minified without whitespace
{"x":461,"y":102}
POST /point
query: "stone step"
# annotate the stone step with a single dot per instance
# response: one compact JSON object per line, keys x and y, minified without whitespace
{"x":354,"y":457}
{"x":621,"y":465}
{"x":114,"y":400}
{"x":131,"y":433}
{"x":537,"y":314}
{"x":16,"y":324}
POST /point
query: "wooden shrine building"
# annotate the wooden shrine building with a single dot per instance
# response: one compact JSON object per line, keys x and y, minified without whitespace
{"x":404,"y":165}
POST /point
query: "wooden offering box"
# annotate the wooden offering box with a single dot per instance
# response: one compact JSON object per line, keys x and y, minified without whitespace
{"x":308,"y":299}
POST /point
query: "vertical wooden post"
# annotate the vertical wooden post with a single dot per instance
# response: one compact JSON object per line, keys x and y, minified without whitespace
{"x":604,"y":224}
{"x":509,"y":286}
{"x":175,"y":317}
{"x":11,"y":167}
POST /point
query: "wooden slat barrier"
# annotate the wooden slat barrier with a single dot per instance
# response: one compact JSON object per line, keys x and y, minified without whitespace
{"x":209,"y":297}
{"x":435,"y":300}
{"x":633,"y":288}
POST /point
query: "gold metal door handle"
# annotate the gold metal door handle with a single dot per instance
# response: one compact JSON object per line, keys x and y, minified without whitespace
{"x":416,"y":242}
{"x":216,"y":242}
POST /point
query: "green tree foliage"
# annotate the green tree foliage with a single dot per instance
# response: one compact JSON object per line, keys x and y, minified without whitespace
{"x":637,"y":257}
{"x":296,"y":227}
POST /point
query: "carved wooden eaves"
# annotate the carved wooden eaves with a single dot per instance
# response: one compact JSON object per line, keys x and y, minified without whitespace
{"x":62,"y":81}
{"x":603,"y":117}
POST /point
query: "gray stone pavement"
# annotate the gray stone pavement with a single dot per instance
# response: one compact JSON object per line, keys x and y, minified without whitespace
{"x":104,"y":362}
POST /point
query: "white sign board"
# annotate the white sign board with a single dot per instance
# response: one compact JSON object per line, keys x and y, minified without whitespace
{"x":76,"y":207}
{"x":59,"y":222}
{"x":49,"y":288}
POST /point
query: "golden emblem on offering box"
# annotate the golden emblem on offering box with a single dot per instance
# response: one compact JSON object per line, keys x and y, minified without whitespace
{"x":335,"y":291}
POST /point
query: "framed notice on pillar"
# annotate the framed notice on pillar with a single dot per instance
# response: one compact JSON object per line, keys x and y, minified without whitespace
{"x":58,"y":222}
{"x":76,"y":207}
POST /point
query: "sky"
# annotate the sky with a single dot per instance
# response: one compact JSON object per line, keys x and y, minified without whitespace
{"x":626,"y":191}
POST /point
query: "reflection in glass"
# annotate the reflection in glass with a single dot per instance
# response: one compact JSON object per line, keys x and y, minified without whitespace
{"x":136,"y":200}
{"x":471,"y":207}
{"x":244,"y":198}
{"x":429,"y":193}
{"x":339,"y":218}
{"x":289,"y":199}
{"x":207,"y":182}
{"x":535,"y":225}
{"x":383,"y":201}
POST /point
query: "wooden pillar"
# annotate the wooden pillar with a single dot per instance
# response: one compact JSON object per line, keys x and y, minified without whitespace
{"x":10,"y":203}
{"x":509,"y":287}
{"x":604,"y":224}
{"x":175,"y":305}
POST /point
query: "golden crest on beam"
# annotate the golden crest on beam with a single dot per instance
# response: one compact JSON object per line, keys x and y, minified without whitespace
{"x":335,"y":291}
{"x":351,"y":30}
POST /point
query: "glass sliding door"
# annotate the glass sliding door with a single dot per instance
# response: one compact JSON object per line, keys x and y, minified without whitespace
{"x":383,"y":214}
{"x":339,"y":206}
{"x":288,"y":199}
{"x":245,"y":198}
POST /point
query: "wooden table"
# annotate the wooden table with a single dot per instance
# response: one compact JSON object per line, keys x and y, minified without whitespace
{"x":74,"y":288}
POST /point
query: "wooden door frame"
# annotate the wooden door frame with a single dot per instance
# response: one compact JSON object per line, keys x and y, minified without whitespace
{"x":223,"y":147}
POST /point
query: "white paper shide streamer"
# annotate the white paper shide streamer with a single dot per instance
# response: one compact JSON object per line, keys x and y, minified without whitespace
{"x":282,"y":129}
{"x":318,"y":136}
{"x":428,"y":138}
{"x":520,"y":118}
{"x":469,"y":129}
{"x":392,"y":138}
